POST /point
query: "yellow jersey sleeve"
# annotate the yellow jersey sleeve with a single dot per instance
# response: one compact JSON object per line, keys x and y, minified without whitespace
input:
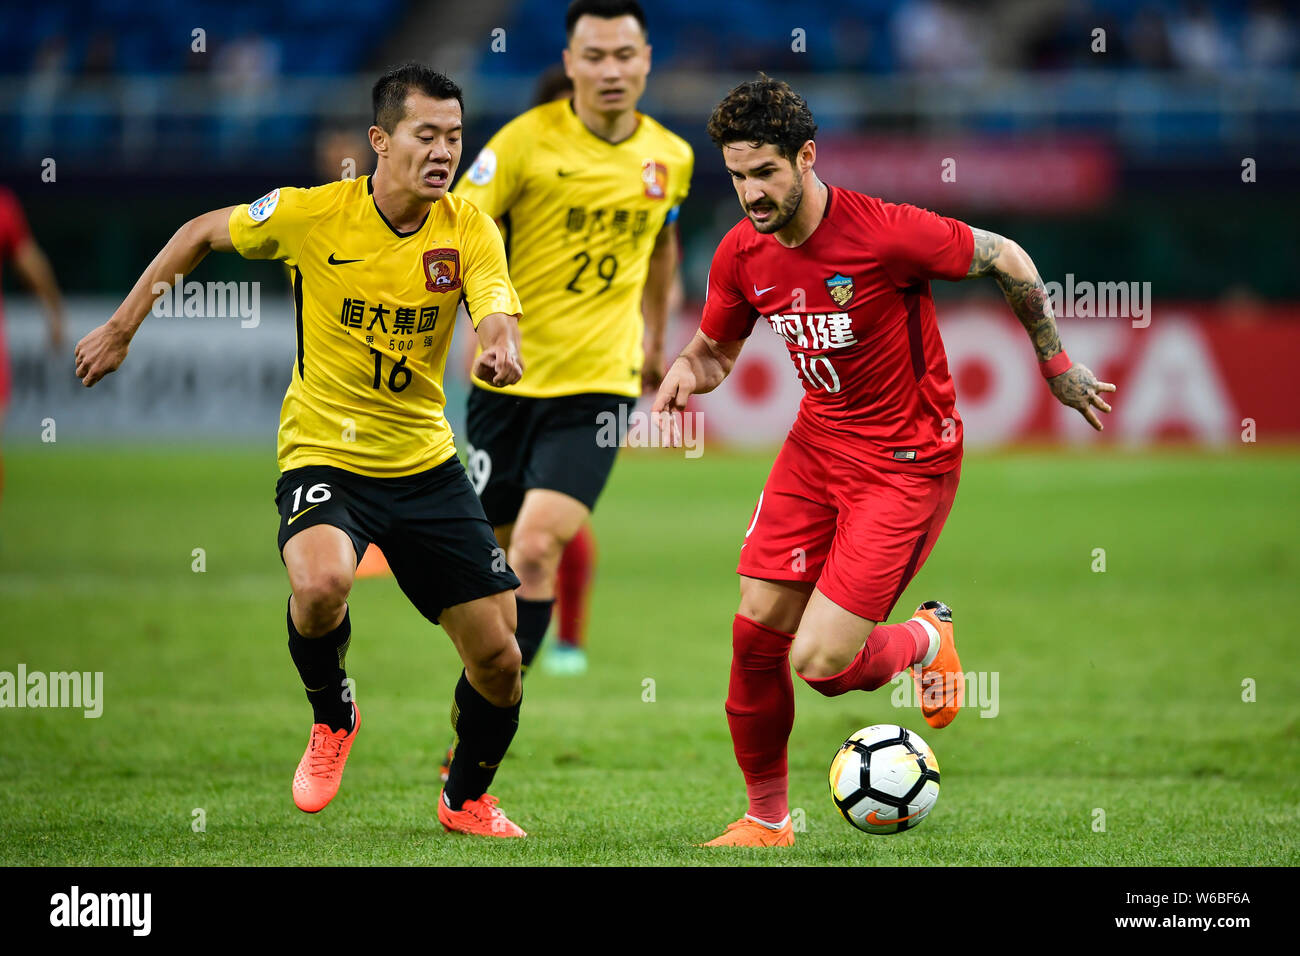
{"x":494,"y":181}
{"x":275,"y":226}
{"x":487,"y":282}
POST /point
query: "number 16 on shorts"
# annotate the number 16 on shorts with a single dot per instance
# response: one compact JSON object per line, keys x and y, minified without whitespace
{"x":316,"y":494}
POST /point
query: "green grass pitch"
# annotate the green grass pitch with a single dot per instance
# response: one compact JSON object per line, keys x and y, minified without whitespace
{"x":1119,"y":691}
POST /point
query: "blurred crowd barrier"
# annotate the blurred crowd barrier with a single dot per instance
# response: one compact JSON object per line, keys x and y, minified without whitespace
{"x":1186,"y":373}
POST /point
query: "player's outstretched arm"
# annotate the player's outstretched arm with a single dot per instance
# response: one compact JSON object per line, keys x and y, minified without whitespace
{"x":500,"y":363}
{"x":104,"y":349}
{"x":32,"y":265}
{"x":1019,"y":281}
{"x":700,"y":368}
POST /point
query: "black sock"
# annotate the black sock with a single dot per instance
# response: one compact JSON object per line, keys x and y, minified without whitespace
{"x":483,"y":733}
{"x":534,"y":618}
{"x":320,"y":665}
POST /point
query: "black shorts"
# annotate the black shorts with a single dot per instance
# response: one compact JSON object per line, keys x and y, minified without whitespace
{"x":430,"y":527}
{"x":564,"y":444}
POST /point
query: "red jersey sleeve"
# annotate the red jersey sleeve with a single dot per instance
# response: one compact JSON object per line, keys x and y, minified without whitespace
{"x":13,"y":224}
{"x":916,"y":244}
{"x":728,"y":316}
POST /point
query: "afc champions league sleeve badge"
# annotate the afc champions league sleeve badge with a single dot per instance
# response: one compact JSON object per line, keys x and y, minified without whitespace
{"x":442,"y":270}
{"x":260,"y":210}
{"x":841,"y":289}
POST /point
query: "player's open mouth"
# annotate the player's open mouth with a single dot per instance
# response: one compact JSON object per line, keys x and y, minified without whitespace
{"x":437,"y":177}
{"x":761,"y":213}
{"x":611,"y":94}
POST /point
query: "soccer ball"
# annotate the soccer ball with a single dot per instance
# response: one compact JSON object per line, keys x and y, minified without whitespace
{"x":884,"y":779}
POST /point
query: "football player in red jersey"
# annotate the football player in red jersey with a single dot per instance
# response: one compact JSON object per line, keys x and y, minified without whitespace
{"x":33,"y":268}
{"x":865,"y":479}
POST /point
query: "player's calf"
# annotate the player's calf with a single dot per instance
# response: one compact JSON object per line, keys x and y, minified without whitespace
{"x":483,"y":631}
{"x":836,"y":651}
{"x":485,"y":706}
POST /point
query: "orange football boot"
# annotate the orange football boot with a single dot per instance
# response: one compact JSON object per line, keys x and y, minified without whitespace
{"x":747,"y":832}
{"x":321,"y":769}
{"x":480,"y":817}
{"x":939,"y":685}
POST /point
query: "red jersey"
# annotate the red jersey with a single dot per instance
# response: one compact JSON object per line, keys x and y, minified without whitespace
{"x":853,"y":304}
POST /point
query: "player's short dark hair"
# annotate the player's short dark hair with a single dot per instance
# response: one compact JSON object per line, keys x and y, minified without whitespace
{"x":551,"y":84}
{"x":763,"y":111}
{"x":605,"y":9}
{"x":389,"y":94}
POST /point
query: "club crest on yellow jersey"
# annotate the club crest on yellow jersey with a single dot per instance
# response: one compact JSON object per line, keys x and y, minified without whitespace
{"x":655,"y":177}
{"x":442,"y":270}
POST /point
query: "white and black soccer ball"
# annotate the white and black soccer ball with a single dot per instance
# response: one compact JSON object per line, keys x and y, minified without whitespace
{"x":884,"y":779}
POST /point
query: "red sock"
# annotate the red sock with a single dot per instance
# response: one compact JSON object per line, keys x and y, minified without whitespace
{"x":760,"y":713}
{"x":573,"y":587}
{"x":890,"y":649}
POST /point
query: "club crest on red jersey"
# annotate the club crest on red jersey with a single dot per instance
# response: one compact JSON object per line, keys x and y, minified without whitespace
{"x":654,"y":176}
{"x":840,"y":288}
{"x":442,"y":270}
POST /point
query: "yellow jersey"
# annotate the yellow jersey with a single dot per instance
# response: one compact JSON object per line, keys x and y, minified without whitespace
{"x":375,"y":309}
{"x":580,"y":217}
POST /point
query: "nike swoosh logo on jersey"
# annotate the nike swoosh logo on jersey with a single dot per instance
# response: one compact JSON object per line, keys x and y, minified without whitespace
{"x":341,"y":262}
{"x":758,"y":291}
{"x":564,"y":172}
{"x":300,"y":514}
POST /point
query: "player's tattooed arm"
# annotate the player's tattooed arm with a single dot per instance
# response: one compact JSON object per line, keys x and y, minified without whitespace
{"x":104,"y":349}
{"x":1013,"y":270}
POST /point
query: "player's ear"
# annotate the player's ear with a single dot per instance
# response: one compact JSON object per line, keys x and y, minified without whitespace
{"x":378,"y":140}
{"x":568,"y":63}
{"x":807,"y":156}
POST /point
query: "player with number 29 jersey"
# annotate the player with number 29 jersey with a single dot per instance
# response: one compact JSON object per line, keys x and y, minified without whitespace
{"x":581,"y":216}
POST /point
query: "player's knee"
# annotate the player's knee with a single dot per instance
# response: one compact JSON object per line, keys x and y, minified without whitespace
{"x":497,"y":671}
{"x":534,"y":552}
{"x":779,"y":613}
{"x":811,"y":659}
{"x":320,"y":596}
{"x":496,"y":652}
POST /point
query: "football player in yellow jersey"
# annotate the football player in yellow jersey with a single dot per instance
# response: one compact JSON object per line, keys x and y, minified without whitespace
{"x":587,"y":192}
{"x":379,"y":266}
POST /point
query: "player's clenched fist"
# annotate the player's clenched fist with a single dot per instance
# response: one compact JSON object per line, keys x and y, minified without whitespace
{"x":100,"y":352}
{"x":499,"y":366}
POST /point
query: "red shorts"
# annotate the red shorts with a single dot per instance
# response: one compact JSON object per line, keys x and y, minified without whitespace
{"x":858,"y":533}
